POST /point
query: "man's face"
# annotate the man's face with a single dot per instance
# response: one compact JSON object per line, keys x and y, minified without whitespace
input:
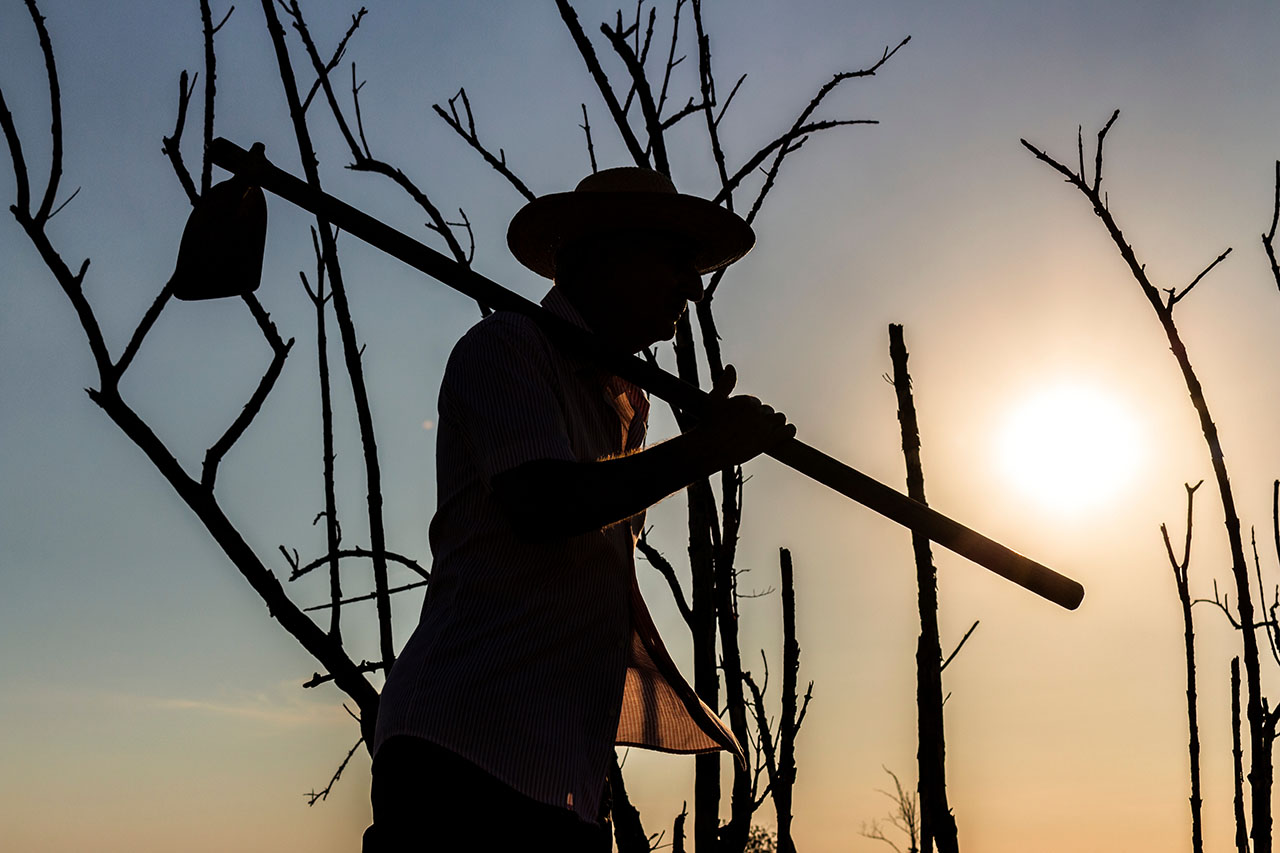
{"x":644,"y":285}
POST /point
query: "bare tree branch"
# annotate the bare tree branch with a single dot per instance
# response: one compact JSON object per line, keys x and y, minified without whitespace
{"x":664,"y":567}
{"x":333,"y":530}
{"x":331,"y":605}
{"x":648,"y":108}
{"x":627,"y":827}
{"x":1237,"y":762}
{"x":1260,"y":775}
{"x":960,"y":645}
{"x":171,"y":145}
{"x":210,"y":76}
{"x":586,"y":128}
{"x":729,"y":100}
{"x":21,"y":177}
{"x":570,"y":18}
{"x":1174,"y":298}
{"x":904,"y":818}
{"x":362,"y":160}
{"x":280,"y":350}
{"x":316,"y":796}
{"x":55,"y":112}
{"x":348,"y":553}
{"x":707,"y":86}
{"x":342,"y":311}
{"x":144,"y":325}
{"x":802,"y":126}
{"x":1180,"y":575}
{"x":364,"y":666}
{"x":640,"y":49}
{"x":338,"y":53}
{"x":1269,"y":237}
{"x":468,"y":133}
{"x":672,"y":61}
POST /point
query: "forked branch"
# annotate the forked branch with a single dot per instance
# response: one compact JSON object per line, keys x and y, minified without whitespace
{"x":802,"y":126}
{"x":468,"y":133}
{"x":1269,"y":238}
{"x":279,"y":351}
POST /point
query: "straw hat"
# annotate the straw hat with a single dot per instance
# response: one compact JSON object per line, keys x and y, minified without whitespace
{"x":626,"y":199}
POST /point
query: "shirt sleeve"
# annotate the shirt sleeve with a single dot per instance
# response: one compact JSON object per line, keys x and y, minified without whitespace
{"x":502,"y":391}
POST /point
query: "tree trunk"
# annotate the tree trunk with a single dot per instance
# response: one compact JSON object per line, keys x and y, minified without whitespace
{"x":937,"y":824}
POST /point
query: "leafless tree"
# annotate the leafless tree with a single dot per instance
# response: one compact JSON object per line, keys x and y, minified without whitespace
{"x":196,"y":491}
{"x":905,"y":818}
{"x":937,"y":823}
{"x":1180,"y":575}
{"x":1261,"y":719}
{"x":639,"y":96}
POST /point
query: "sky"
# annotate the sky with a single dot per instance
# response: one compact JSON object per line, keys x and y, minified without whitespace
{"x":147,"y":700}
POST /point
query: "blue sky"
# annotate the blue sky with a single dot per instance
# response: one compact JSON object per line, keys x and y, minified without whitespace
{"x":148,"y":702}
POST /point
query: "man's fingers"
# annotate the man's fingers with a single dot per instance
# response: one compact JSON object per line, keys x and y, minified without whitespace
{"x":724,"y":386}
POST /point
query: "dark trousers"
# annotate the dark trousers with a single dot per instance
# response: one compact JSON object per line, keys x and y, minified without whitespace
{"x":428,"y":800}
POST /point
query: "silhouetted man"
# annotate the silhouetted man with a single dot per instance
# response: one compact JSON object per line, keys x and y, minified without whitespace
{"x":535,"y":653}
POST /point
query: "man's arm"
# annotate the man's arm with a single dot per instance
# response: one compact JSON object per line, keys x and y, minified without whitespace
{"x":551,"y":499}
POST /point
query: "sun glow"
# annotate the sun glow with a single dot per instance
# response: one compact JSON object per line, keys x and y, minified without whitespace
{"x":1070,"y":447}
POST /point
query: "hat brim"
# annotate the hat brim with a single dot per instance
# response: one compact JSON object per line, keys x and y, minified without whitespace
{"x":547,"y":224}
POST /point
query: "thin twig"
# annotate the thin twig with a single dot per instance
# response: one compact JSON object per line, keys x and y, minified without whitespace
{"x":316,"y":796}
{"x":1175,"y":298}
{"x":15,"y":153}
{"x":144,"y":325}
{"x":210,"y":75}
{"x":337,"y":55}
{"x":672,"y":62}
{"x":664,"y":567}
{"x":280,"y":350}
{"x":58,"y":209}
{"x":1269,"y":237}
{"x":350,"y":345}
{"x":648,"y":108}
{"x":729,"y":100}
{"x":349,"y":553}
{"x":570,"y":18}
{"x":802,"y":126}
{"x":171,"y":145}
{"x":586,"y":128}
{"x":330,"y":605}
{"x":333,"y":529}
{"x":784,"y":144}
{"x":468,"y":133}
{"x":55,"y":111}
{"x":364,"y":666}
{"x":959,"y":645}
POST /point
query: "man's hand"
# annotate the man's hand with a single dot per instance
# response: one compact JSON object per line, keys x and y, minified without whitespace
{"x":550,"y":499}
{"x":737,"y":428}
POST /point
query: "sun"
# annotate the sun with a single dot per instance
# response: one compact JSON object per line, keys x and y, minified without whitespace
{"x":1070,"y":447}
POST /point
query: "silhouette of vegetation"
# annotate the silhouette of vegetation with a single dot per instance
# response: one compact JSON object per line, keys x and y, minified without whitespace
{"x":1261,"y":719}
{"x":639,"y":96}
{"x":937,"y":825}
{"x":905,"y":818}
{"x":1180,"y":577}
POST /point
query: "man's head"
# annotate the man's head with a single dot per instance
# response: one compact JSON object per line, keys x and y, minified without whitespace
{"x":630,"y":285}
{"x":628,"y":249}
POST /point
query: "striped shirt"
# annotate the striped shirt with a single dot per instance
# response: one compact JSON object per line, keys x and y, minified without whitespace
{"x":532,"y":660}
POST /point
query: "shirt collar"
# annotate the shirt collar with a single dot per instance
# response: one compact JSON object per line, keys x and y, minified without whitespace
{"x":558,"y":303}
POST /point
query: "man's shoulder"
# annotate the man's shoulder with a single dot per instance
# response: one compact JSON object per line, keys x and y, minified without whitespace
{"x":502,"y":336}
{"x":498,"y":329}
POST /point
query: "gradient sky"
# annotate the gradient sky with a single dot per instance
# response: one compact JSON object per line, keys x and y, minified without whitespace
{"x":147,"y":701}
